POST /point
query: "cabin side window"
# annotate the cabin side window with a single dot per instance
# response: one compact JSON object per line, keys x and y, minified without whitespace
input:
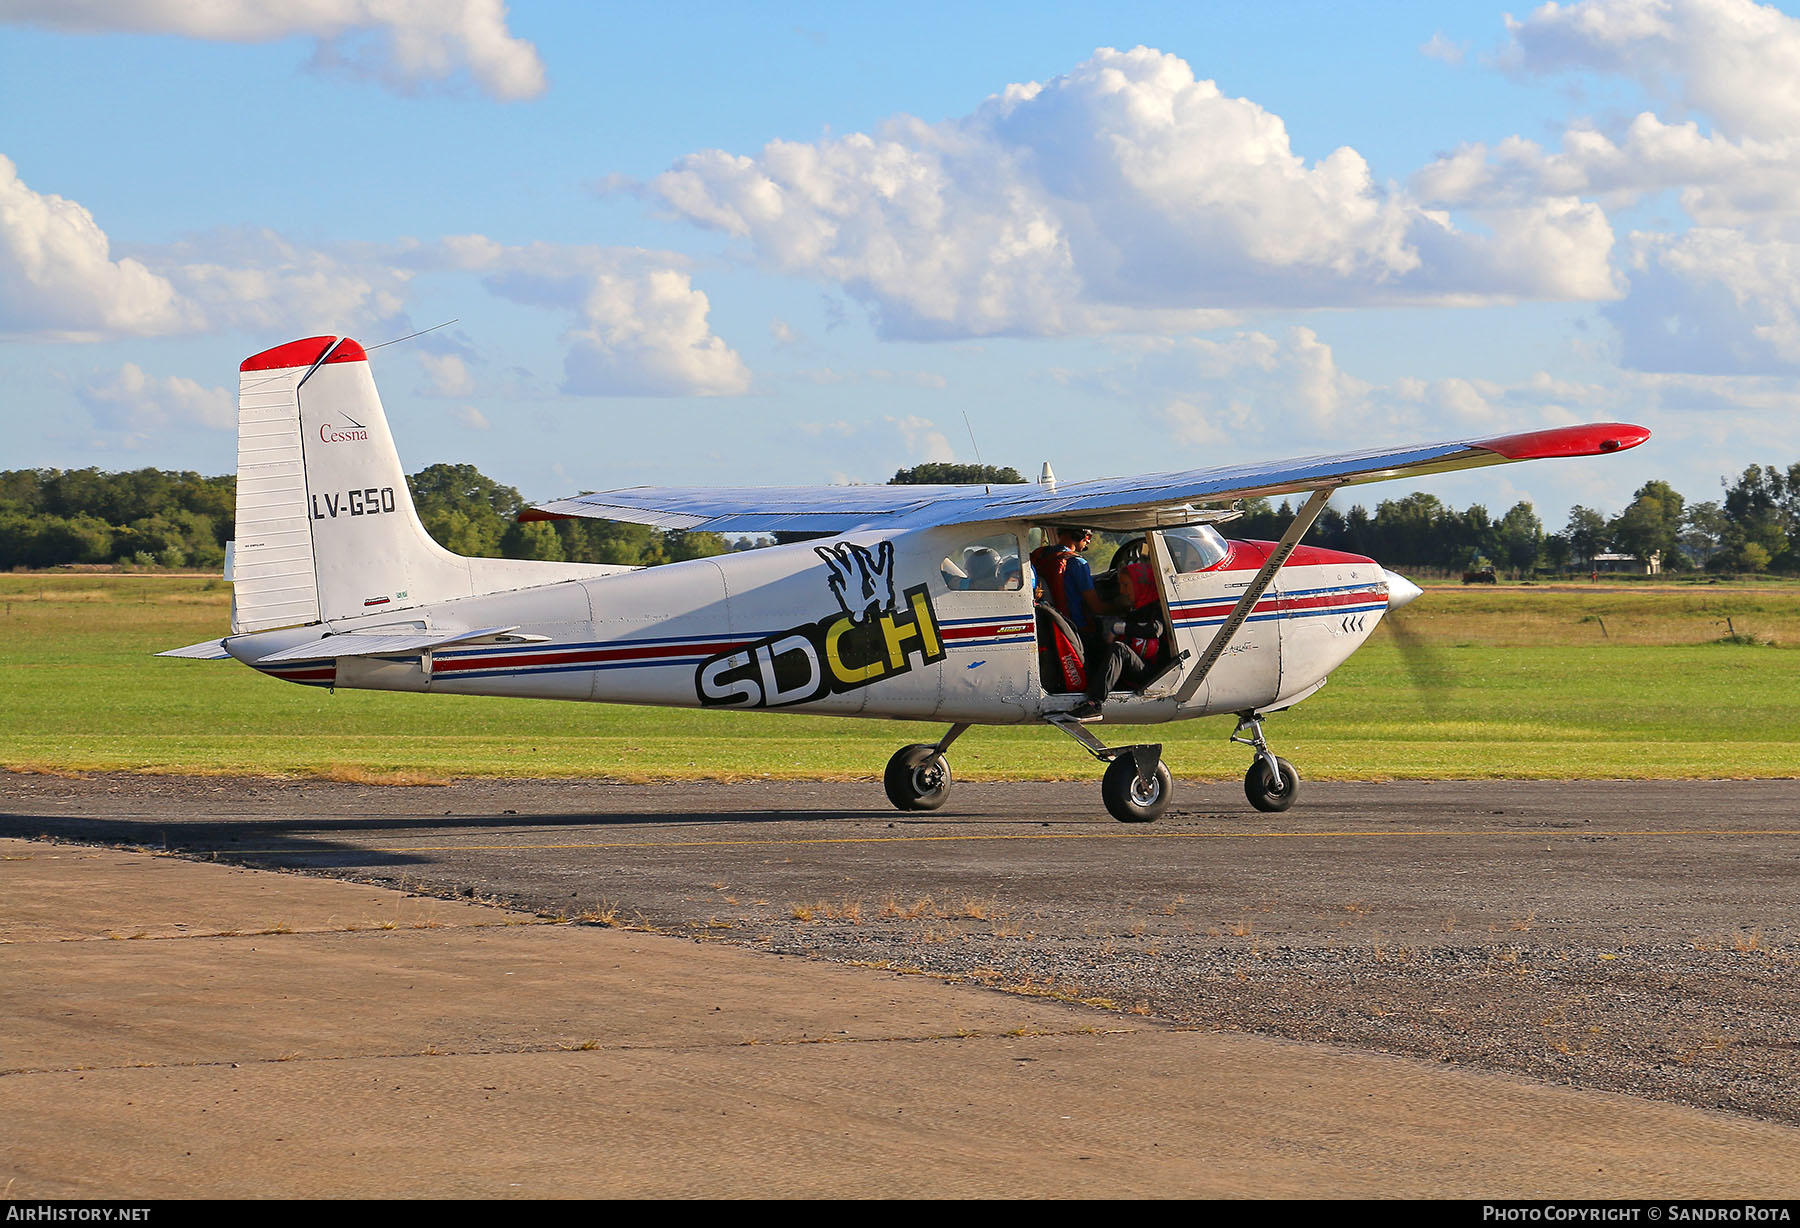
{"x":989,"y":564}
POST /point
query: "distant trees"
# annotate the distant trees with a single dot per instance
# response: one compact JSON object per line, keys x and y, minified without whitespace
{"x":946,"y":473}
{"x":1651,"y":526}
{"x":470,"y":513}
{"x":1586,"y":533}
{"x":151,"y":517}
{"x":1762,"y":521}
{"x":1416,"y":530}
{"x":147,"y":516}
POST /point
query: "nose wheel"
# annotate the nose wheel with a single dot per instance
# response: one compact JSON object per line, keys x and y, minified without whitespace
{"x":1271,"y":784}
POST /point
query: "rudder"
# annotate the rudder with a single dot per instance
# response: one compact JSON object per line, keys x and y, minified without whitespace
{"x":326,"y":528}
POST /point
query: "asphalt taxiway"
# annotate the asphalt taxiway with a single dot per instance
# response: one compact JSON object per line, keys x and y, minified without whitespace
{"x":541,"y":988}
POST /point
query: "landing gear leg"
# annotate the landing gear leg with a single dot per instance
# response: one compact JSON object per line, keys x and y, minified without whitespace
{"x":1136,"y":786}
{"x":918,"y":776}
{"x":1271,"y":784}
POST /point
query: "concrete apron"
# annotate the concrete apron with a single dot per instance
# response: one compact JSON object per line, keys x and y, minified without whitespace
{"x":179,"y":1029}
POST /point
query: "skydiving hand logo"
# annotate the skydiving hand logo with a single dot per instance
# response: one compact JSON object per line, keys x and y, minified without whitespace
{"x":862,"y":579}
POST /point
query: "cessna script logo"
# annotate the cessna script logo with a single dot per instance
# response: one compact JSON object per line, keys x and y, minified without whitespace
{"x":871,"y":637}
{"x":344,"y":432}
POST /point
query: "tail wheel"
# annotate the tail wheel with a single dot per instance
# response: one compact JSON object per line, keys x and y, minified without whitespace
{"x":917,"y":777}
{"x":1267,"y":794}
{"x":1130,"y":799}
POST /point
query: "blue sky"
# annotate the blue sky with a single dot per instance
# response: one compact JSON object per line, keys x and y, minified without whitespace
{"x":791,"y":244}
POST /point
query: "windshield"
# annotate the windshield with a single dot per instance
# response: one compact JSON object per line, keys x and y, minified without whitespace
{"x":1195,"y":547}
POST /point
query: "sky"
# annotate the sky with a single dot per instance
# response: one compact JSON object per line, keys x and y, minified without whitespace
{"x":697,"y":244}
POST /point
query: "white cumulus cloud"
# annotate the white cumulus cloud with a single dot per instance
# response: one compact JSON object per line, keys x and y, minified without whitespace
{"x":259,"y":281}
{"x":404,"y":44}
{"x":640,"y":326}
{"x":1124,"y":194}
{"x":58,"y":278}
{"x":134,"y":405}
{"x":446,"y":375}
{"x":870,"y":446}
{"x":1714,"y":298}
{"x":60,"y":281}
{"x":1733,"y":60}
{"x":1711,"y":301}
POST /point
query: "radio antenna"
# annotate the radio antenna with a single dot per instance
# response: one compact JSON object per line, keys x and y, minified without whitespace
{"x":972,"y":443}
{"x":410,"y":336}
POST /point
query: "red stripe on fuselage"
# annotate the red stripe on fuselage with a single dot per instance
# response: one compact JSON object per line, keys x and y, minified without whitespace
{"x":580,"y":656}
{"x":1279,"y":604}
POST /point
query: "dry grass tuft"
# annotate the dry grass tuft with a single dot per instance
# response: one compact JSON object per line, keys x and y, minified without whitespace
{"x":824,"y":910}
{"x":605,"y":913}
{"x":1745,"y":942}
{"x":350,"y":774}
{"x":890,"y":907}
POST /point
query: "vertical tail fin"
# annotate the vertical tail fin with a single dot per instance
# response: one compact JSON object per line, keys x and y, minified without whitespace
{"x":326,"y":528}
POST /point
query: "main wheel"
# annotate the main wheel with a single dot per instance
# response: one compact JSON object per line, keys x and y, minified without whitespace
{"x":1269,"y":795}
{"x":1131,"y":800}
{"x":917,"y":778}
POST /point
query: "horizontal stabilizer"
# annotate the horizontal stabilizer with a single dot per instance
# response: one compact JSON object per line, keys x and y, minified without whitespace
{"x":382,"y":644}
{"x":206,"y":650}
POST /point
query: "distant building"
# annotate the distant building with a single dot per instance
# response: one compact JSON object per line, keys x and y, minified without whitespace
{"x":1628,"y":564}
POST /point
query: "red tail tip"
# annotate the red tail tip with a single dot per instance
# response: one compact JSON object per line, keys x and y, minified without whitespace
{"x":304,"y":353}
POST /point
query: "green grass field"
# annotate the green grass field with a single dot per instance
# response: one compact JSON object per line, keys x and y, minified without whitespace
{"x":1520,"y":682}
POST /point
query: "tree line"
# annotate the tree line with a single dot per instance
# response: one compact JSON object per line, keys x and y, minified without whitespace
{"x":156,"y":518}
{"x":1754,"y":528}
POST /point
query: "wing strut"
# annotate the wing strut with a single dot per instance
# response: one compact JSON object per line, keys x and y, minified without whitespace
{"x":1246,"y":603}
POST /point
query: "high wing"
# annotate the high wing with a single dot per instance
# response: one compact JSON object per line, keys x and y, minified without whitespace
{"x":1113,"y":503}
{"x":760,"y":509}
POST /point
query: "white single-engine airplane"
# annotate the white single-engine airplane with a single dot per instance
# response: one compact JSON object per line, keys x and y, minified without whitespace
{"x":909,"y":602}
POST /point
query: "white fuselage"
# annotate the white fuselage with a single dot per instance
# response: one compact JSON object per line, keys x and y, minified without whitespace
{"x":869,"y":624}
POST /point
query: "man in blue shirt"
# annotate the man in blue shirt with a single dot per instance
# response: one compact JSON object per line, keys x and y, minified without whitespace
{"x":1076,"y":601}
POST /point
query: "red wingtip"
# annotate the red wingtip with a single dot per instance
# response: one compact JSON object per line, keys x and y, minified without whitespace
{"x":303,"y":354}
{"x":532,"y":514}
{"x":1593,"y":439}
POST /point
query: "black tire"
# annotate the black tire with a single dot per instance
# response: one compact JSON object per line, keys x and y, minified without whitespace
{"x":1130,"y":800}
{"x":1268,"y":795}
{"x":917,"y":778}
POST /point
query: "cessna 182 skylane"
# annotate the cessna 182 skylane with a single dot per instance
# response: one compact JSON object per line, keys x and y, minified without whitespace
{"x":910,"y":602}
